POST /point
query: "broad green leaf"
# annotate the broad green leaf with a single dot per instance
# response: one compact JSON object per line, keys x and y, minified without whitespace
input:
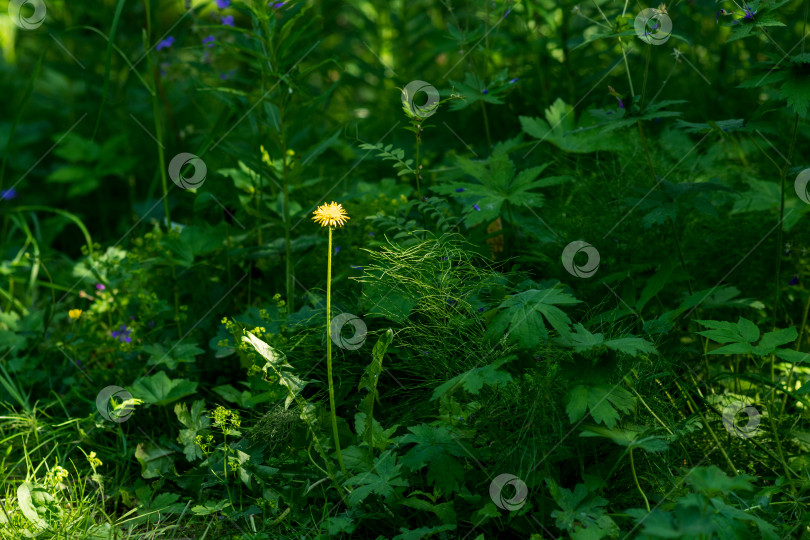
{"x":523,"y":314}
{"x":195,"y":423}
{"x":602,"y":401}
{"x":160,"y":390}
{"x":155,"y":461}
{"x":435,"y":448}
{"x":383,"y":481}
{"x":473,"y":380}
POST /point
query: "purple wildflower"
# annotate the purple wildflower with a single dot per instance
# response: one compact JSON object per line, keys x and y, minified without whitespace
{"x":123,"y":334}
{"x":513,"y":81}
{"x":621,"y":103}
{"x":477,"y":208}
{"x":480,"y":310}
{"x":209,"y":40}
{"x":222,"y":4}
{"x":794,"y":281}
{"x":445,"y":258}
{"x":165,"y":43}
{"x":337,"y":250}
{"x":508,"y":11}
{"x":423,"y":198}
{"x":227,"y":20}
{"x":485,"y":91}
{"x":278,"y":5}
{"x":371,"y":233}
{"x":459,"y":190}
{"x":100,"y":287}
{"x":8,"y":194}
{"x":357,"y":267}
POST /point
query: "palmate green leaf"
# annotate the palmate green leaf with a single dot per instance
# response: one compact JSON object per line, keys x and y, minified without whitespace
{"x":711,"y":480}
{"x":581,"y":512}
{"x":602,"y":400}
{"x":195,"y":422}
{"x":523,"y":314}
{"x":160,"y":390}
{"x":560,"y":129}
{"x":435,"y":448}
{"x":473,"y":380}
{"x":383,"y":481}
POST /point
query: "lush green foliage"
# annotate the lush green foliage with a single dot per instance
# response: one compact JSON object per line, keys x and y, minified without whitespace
{"x":166,"y":368}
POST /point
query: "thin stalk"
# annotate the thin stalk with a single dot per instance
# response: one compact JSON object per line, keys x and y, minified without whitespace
{"x":633,"y":469}
{"x":329,"y":354}
{"x":782,"y":174}
{"x":798,"y":346}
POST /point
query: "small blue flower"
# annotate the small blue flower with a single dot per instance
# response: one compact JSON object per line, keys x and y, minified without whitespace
{"x":480,"y":310}
{"x":227,"y":20}
{"x":485,"y":91}
{"x":222,"y":4}
{"x":459,"y":190}
{"x":445,"y":258}
{"x":794,"y":281}
{"x":209,"y":40}
{"x":8,"y":194}
{"x":357,"y":267}
{"x":477,"y":208}
{"x":165,"y":43}
{"x":513,"y":81}
{"x":278,"y":5}
{"x":337,"y":250}
{"x":371,"y":233}
{"x":123,"y":334}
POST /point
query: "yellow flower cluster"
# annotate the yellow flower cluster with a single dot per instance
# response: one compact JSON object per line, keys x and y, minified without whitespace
{"x":74,"y":314}
{"x":93,"y":460}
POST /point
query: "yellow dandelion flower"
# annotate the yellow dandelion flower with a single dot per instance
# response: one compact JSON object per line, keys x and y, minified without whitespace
{"x":330,"y":215}
{"x":74,"y":314}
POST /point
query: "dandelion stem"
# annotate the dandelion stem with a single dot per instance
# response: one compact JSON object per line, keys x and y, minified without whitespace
{"x":329,"y":353}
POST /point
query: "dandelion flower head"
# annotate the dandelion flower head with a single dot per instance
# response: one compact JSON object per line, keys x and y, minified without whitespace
{"x":330,"y":215}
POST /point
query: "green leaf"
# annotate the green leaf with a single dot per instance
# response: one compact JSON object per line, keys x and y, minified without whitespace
{"x":155,"y":461}
{"x":559,"y":129}
{"x":602,"y":401}
{"x":523,"y":314}
{"x":771,"y":340}
{"x":277,"y":363}
{"x":36,"y":504}
{"x":711,"y":480}
{"x":383,"y":481}
{"x":160,"y":390}
{"x":473,"y":380}
{"x":435,"y":448}
{"x":196,"y":422}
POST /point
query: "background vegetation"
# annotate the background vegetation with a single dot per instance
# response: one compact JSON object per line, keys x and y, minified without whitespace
{"x":573,"y":293}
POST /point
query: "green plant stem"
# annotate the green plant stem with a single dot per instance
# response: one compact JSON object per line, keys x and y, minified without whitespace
{"x":798,"y":346}
{"x":782,"y":174}
{"x":633,"y":469}
{"x":329,"y":354}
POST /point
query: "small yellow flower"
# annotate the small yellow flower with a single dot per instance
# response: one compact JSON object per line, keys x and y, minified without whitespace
{"x":74,"y":314}
{"x":265,"y":156}
{"x":331,"y":215}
